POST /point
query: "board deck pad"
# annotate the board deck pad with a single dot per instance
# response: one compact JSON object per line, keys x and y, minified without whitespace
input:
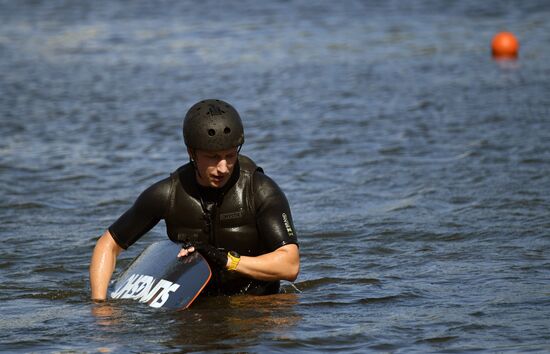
{"x":160,"y":279}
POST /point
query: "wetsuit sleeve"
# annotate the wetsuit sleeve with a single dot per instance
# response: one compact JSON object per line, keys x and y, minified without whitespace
{"x":273,"y":220}
{"x":148,"y":209}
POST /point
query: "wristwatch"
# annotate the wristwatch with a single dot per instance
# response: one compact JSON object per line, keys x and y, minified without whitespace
{"x":235,"y":258}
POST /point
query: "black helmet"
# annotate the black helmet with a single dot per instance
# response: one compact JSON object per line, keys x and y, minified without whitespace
{"x":212,"y":125}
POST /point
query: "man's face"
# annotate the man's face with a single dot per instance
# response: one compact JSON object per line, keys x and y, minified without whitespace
{"x":214,"y":167}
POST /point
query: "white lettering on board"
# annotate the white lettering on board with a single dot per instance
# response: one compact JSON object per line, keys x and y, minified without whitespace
{"x":145,"y":288}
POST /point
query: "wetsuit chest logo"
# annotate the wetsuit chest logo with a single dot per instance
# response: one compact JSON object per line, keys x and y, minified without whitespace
{"x":232,"y":215}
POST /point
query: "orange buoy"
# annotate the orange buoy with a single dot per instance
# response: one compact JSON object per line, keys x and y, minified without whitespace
{"x":505,"y":45}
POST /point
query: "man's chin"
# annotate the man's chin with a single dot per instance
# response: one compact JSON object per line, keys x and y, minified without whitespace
{"x":218,"y":184}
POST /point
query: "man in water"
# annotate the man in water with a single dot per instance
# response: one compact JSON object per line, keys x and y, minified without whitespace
{"x":219,"y":204}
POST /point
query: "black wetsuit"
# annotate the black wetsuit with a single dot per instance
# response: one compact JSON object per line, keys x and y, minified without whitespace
{"x":250,"y":215}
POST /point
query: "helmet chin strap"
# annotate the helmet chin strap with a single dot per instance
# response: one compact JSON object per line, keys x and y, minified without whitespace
{"x":192,"y":159}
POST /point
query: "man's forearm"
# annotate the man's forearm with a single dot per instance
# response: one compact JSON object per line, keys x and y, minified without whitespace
{"x":281,"y":264}
{"x":102,"y":265}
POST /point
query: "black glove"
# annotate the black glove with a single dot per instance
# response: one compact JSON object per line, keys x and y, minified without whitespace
{"x":214,"y":256}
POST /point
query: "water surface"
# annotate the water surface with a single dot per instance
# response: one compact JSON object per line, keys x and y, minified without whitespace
{"x":415,"y":165}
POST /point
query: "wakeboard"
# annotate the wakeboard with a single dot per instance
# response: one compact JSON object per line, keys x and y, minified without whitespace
{"x":160,"y":279}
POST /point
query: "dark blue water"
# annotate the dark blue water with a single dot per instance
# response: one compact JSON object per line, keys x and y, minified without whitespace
{"x":416,"y":166}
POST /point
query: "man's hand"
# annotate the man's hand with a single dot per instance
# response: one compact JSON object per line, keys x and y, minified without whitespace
{"x":214,"y":256}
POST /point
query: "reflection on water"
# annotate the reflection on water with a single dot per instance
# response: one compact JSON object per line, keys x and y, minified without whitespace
{"x":106,"y":314}
{"x":229,"y":322}
{"x":218,"y":322}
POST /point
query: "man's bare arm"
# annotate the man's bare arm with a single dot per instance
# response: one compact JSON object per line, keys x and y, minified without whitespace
{"x":103,"y":264}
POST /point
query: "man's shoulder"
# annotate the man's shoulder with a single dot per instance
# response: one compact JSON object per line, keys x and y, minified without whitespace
{"x":163,"y":188}
{"x":247,"y":164}
{"x":260,"y":181}
{"x":159,"y":189}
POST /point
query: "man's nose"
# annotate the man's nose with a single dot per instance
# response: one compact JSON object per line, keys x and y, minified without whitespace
{"x":222,"y":166}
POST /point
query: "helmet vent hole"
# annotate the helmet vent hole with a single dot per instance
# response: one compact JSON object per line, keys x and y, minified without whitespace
{"x":227,"y":130}
{"x":211,"y":132}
